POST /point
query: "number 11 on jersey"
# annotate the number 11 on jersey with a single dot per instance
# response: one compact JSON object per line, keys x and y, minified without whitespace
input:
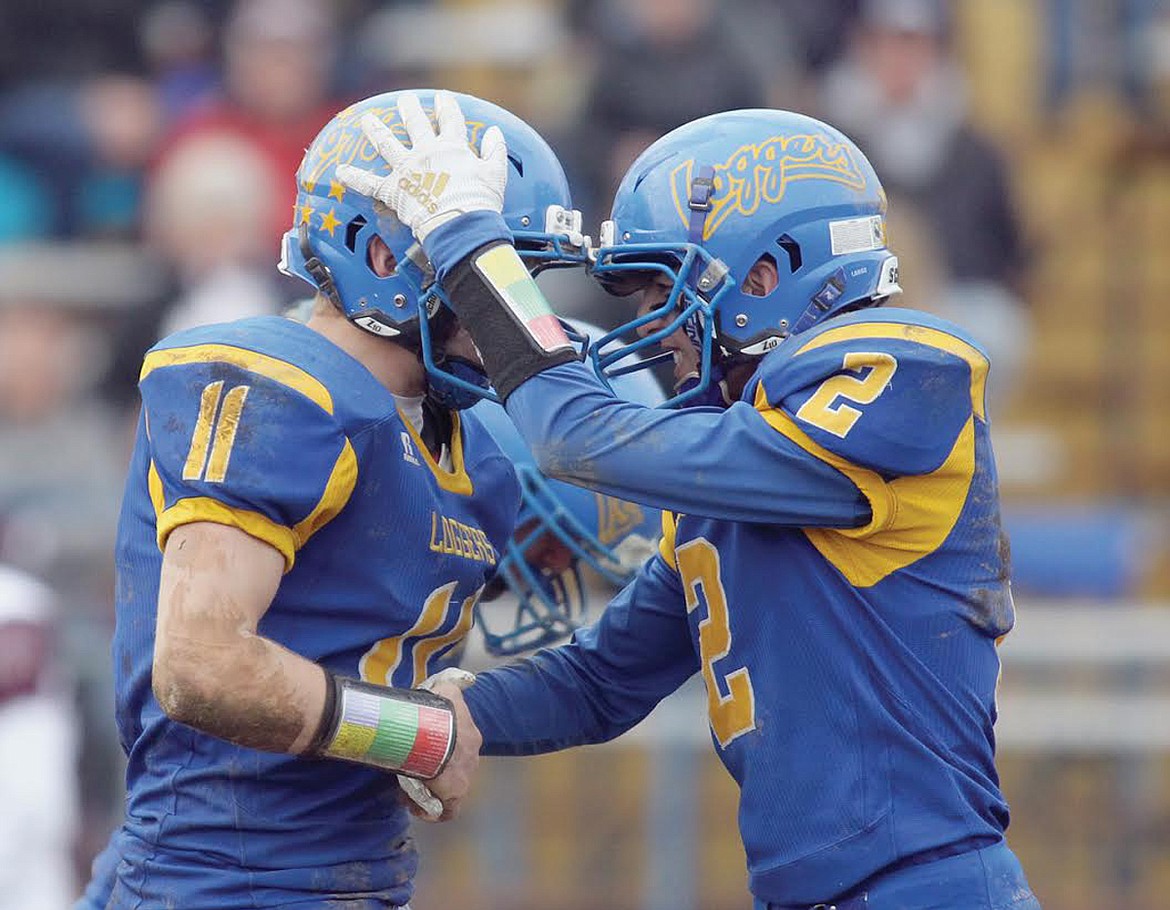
{"x":735,"y":713}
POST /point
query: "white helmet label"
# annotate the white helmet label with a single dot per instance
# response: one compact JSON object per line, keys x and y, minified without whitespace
{"x":370,"y":324}
{"x":857,"y":235}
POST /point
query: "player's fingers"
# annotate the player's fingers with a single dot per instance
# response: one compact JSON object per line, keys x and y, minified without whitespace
{"x":415,"y":119}
{"x":451,"y":809}
{"x":381,"y":137}
{"x":494,"y":150}
{"x":361,"y":181}
{"x":456,"y":676}
{"x":452,"y":125}
{"x":422,"y":814}
{"x":422,"y":802}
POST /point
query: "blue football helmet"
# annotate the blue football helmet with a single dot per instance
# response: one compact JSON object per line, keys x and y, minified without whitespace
{"x":560,"y":530}
{"x":333,"y":227}
{"x":706,"y":202}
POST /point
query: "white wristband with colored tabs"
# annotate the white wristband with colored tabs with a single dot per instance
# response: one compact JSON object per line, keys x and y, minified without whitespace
{"x":408,"y":731}
{"x":419,"y":792}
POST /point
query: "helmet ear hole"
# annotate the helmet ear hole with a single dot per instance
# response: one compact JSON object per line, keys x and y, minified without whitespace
{"x":351,"y":232}
{"x":763,"y":277}
{"x":380,"y":258}
{"x":792,"y":248}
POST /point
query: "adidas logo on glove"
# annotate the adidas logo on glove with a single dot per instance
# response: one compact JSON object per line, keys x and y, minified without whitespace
{"x":425,"y":188}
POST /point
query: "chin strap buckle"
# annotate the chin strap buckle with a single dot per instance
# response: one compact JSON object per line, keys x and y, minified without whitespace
{"x":318,"y":270}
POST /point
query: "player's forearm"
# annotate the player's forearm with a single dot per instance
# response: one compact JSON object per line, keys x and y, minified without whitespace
{"x":252,"y":692}
{"x":247,"y":689}
{"x":600,"y":684}
{"x":722,"y":464}
{"x":544,"y":704}
{"x":505,"y":312}
{"x":212,"y":670}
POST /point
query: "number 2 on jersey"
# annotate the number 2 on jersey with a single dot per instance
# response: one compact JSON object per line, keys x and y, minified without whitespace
{"x":820,"y":411}
{"x":735,"y":713}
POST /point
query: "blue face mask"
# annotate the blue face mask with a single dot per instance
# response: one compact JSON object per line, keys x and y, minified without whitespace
{"x":457,"y":395}
{"x":713,"y":396}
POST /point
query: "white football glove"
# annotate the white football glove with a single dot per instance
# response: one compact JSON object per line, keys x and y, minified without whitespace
{"x":440,"y":176}
{"x":418,"y":791}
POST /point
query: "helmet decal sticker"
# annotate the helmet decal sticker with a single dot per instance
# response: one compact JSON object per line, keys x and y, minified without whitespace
{"x":760,"y":173}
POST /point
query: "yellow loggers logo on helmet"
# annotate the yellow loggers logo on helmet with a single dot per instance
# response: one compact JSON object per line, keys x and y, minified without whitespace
{"x":425,"y":188}
{"x":756,"y":174}
{"x":344,"y":142}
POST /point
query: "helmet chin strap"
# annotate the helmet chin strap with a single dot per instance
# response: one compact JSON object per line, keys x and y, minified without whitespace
{"x":701,"y":190}
{"x":368,"y":321}
{"x":699,"y":203}
{"x":317,"y":270}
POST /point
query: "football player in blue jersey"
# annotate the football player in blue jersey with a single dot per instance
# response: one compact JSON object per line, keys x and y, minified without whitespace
{"x":832,"y":562}
{"x":309,"y":519}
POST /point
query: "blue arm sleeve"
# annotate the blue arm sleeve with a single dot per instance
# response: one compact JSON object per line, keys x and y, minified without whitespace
{"x":699,"y":461}
{"x":600,"y":684}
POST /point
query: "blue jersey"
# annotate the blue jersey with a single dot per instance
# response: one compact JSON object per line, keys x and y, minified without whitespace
{"x":835,"y":571}
{"x":265,"y":425}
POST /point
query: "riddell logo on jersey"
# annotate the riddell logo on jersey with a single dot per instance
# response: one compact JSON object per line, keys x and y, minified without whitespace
{"x":425,"y":188}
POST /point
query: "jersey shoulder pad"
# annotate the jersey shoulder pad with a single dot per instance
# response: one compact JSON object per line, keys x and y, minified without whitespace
{"x":889,"y":390}
{"x":244,"y":438}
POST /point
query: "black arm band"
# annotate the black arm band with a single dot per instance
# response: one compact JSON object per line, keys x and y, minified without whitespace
{"x":510,"y":353}
{"x":327,"y":725}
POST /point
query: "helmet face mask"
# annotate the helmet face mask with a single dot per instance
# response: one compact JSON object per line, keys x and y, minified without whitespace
{"x":709,"y":201}
{"x":328,"y":245}
{"x":566,"y":539}
{"x":544,"y":566}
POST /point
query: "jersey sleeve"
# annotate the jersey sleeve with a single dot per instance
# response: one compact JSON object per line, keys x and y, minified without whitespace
{"x":727,"y":464}
{"x":246,"y":440}
{"x":894,"y":406}
{"x":889,"y":397}
{"x":600,"y":684}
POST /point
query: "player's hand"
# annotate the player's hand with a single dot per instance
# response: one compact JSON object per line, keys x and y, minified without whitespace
{"x":440,"y":799}
{"x":440,"y":176}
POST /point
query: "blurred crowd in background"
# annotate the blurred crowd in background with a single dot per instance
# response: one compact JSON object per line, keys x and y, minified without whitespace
{"x":147,"y":154}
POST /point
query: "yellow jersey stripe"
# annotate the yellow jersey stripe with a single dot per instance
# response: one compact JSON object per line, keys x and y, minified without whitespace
{"x":203,"y":508}
{"x":457,"y":479}
{"x":278,"y":370}
{"x":666,"y":541}
{"x":912,"y":515}
{"x":338,"y":489}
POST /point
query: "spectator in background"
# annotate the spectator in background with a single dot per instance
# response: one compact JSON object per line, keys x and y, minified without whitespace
{"x":794,"y":42}
{"x":659,"y":64}
{"x":62,"y":465}
{"x":61,"y":455}
{"x":26,"y":212}
{"x":900,"y":95}
{"x":276,"y":93}
{"x":38,"y":777}
{"x":94,"y":173}
{"x":179,"y":43}
{"x":123,"y":122}
{"x":207,"y":213}
{"x":63,"y":41}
